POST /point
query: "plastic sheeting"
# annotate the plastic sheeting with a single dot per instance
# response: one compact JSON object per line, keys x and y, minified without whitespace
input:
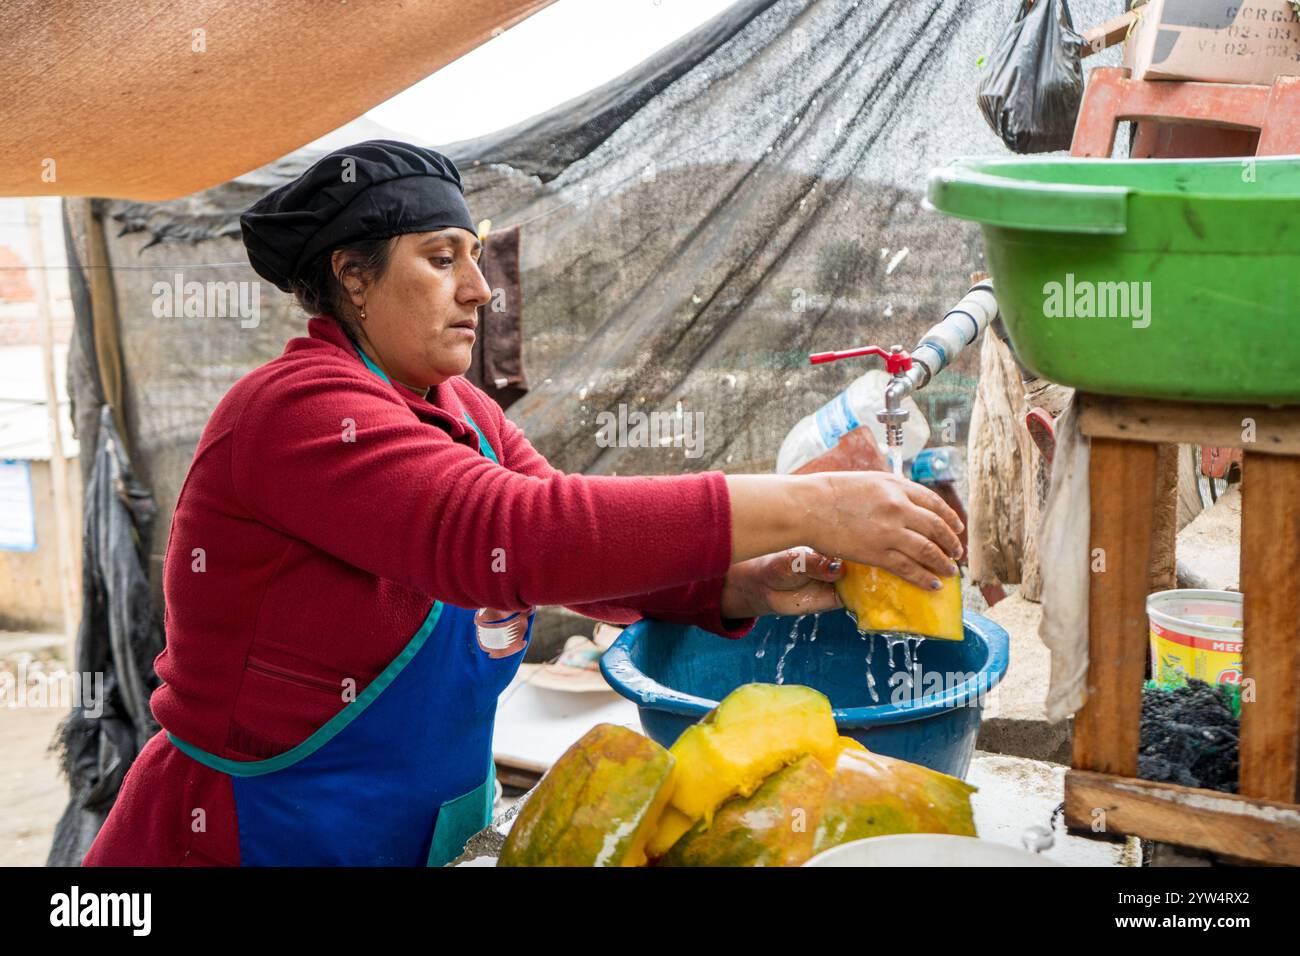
{"x":764,"y":204}
{"x":690,"y":231}
{"x":118,"y":638}
{"x":150,"y":100}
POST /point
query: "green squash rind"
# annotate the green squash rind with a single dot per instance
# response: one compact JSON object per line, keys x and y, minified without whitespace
{"x":874,"y":795}
{"x":596,"y":805}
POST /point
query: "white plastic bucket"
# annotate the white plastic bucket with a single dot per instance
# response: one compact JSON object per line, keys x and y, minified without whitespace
{"x":1195,"y":634}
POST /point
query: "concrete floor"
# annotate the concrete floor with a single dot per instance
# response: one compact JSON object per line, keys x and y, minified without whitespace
{"x":32,"y":792}
{"x":1016,"y":793}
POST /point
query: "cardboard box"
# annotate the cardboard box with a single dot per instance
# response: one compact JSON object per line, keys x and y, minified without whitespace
{"x":1215,"y":41}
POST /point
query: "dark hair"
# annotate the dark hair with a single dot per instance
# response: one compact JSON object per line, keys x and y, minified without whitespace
{"x":318,"y":290}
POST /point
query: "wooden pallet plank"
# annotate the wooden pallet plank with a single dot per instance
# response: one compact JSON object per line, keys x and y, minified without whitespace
{"x":517,"y":778}
{"x":1270,"y":562}
{"x":1122,"y":494}
{"x":1108,"y":34}
{"x":1164,"y":527}
{"x":1265,"y":831}
{"x":1258,"y":428}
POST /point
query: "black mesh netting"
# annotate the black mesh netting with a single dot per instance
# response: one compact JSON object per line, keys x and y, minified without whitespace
{"x":1189,"y":737}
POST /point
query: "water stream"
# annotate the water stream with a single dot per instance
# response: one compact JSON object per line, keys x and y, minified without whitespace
{"x":895,"y":460}
{"x":909,"y":643}
{"x":785,"y":652}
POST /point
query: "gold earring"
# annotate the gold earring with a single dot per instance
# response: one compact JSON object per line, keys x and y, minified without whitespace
{"x":362,"y":309}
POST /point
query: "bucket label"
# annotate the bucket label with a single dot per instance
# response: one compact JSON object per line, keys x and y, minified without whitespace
{"x":1176,"y":658}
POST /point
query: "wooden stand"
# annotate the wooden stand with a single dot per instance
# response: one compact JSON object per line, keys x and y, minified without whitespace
{"x":1262,"y":822}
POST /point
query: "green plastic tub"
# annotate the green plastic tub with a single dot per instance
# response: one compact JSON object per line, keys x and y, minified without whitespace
{"x":1174,"y":279}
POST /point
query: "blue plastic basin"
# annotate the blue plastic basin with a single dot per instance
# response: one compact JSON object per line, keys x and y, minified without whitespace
{"x":677,"y":674}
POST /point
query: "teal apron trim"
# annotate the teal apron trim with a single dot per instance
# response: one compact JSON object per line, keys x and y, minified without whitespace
{"x":487,"y":445}
{"x":327,"y":731}
{"x":372,"y":366}
{"x":460,"y":818}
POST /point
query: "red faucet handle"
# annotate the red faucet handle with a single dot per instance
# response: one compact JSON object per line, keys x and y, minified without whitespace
{"x":895,"y":361}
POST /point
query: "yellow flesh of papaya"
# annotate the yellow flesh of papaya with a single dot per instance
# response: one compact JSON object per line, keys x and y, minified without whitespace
{"x":881,"y":601}
{"x":754,"y":732}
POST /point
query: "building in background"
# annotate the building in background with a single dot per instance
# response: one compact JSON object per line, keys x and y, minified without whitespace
{"x":30,"y":579}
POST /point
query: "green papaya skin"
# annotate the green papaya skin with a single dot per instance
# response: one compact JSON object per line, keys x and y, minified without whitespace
{"x":874,"y":795}
{"x":596,"y":806}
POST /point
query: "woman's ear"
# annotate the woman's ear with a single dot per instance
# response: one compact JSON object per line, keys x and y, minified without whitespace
{"x":346,"y":271}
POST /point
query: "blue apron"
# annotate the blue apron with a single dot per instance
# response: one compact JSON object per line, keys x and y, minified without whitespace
{"x":401,"y":776}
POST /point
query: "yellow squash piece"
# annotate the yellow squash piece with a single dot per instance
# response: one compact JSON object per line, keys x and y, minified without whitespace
{"x":754,"y":732}
{"x":596,"y":806}
{"x":881,"y":601}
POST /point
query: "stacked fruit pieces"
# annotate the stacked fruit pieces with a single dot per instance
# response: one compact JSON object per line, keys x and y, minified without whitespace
{"x":763,"y":780}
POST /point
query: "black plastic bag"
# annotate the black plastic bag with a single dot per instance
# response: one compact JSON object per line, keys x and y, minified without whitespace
{"x":1031,"y":95}
{"x":118,"y":637}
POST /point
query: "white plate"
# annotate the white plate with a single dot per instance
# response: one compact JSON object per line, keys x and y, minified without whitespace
{"x":927,"y":849}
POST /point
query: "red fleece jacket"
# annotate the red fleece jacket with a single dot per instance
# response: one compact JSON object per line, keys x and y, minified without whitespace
{"x":324,"y":511}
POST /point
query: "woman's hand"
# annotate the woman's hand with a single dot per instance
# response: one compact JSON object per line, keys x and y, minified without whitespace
{"x":879,"y":519}
{"x":794,"y":581}
{"x":870,"y":517}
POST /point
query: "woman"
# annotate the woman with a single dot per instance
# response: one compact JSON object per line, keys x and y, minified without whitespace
{"x":329,"y":697}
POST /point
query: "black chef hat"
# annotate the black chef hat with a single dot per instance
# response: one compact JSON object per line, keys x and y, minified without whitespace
{"x":373,"y":190}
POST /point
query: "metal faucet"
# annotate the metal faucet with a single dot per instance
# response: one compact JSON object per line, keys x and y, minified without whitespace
{"x":903,"y":382}
{"x":906,"y":377}
{"x":912,"y":371}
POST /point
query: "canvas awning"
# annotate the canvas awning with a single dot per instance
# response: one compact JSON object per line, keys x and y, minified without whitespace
{"x":148,"y":101}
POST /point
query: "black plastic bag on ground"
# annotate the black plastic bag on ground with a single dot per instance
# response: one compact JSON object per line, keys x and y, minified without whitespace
{"x":1031,"y":95}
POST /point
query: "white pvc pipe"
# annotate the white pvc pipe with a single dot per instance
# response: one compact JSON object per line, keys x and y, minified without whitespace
{"x":960,"y":326}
